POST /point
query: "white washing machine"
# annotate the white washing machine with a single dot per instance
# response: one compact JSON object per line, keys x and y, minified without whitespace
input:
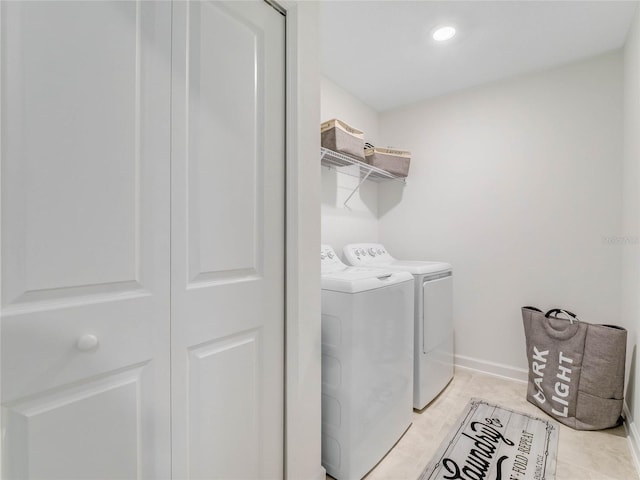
{"x":433,"y":334}
{"x":367,"y":364}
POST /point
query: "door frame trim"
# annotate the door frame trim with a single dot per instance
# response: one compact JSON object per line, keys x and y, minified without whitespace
{"x":302,"y":375}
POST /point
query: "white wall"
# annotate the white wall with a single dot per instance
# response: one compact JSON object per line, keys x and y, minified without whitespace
{"x":335,"y":102}
{"x":358,"y":222}
{"x":631,"y":223}
{"x":517,"y":184}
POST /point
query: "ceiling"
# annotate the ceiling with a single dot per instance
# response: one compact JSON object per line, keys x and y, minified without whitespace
{"x":382,"y":51}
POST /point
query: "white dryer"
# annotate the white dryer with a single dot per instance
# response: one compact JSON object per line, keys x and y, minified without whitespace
{"x":367,"y":364}
{"x":433,"y":334}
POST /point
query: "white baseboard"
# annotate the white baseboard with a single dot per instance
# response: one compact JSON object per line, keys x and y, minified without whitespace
{"x":633,"y":436}
{"x":491,"y":368}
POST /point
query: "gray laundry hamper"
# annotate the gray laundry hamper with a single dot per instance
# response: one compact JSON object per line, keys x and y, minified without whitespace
{"x":576,"y":369}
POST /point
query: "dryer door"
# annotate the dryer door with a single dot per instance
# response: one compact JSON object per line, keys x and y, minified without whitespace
{"x":437,"y":317}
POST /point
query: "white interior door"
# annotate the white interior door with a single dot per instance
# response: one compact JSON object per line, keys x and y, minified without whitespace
{"x":227,"y":240}
{"x":85,"y":239}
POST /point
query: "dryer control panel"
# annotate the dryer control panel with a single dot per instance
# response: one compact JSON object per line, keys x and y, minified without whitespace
{"x":367,"y":254}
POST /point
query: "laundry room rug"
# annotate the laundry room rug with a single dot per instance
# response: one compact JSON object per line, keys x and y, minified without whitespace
{"x":496,"y":443}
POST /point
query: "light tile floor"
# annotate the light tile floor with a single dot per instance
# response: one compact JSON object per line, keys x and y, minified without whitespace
{"x":601,"y":455}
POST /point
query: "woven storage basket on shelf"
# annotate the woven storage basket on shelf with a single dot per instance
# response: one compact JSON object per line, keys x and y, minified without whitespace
{"x":392,"y":160}
{"x":340,"y":137}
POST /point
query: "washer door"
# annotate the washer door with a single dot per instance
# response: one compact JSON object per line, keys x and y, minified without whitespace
{"x":437,"y":316}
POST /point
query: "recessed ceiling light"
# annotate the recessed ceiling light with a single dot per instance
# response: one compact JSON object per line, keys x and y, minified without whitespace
{"x":444,"y":33}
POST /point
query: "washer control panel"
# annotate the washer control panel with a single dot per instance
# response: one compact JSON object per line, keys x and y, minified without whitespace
{"x":329,"y":260}
{"x":366,"y":254}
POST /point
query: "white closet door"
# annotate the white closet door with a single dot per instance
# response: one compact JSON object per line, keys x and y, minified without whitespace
{"x":227,"y":240}
{"x":85,"y":239}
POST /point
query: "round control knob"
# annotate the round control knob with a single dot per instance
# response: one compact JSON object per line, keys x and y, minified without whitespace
{"x":379,"y":252}
{"x":360,"y":251}
{"x":330,"y":254}
{"x":372,"y":252}
{"x":87,"y":342}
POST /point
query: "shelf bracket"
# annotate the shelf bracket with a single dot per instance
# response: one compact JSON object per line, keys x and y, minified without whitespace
{"x":332,"y":159}
{"x":362,"y":180}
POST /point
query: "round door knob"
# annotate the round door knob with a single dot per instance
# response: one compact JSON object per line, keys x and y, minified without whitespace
{"x":87,"y":342}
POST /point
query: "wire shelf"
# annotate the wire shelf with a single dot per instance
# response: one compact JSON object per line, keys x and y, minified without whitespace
{"x":332,"y":159}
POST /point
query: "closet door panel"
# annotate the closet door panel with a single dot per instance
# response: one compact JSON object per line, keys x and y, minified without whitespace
{"x":53,"y":429}
{"x":72,"y":226}
{"x":85,"y":239}
{"x":228,"y":240}
{"x":225,"y":429}
{"x":226,"y":100}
